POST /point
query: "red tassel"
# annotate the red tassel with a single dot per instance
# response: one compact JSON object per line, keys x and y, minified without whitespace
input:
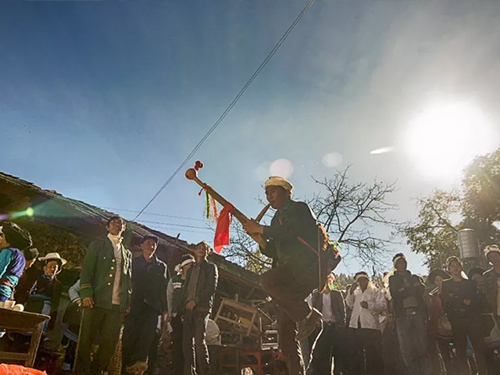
{"x":222,"y":232}
{"x":198,"y":165}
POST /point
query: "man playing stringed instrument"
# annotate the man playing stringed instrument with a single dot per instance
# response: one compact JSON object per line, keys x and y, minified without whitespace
{"x":292,"y":241}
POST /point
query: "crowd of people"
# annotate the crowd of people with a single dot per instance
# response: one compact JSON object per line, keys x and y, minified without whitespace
{"x":115,"y":290}
{"x":393,"y":326}
{"x":440,"y":330}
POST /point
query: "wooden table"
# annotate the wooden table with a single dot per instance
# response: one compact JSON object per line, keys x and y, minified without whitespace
{"x":245,"y":319}
{"x":20,"y":321}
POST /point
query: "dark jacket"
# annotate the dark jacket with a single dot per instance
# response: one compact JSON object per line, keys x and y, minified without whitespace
{"x":438,"y":324}
{"x":295,"y":220}
{"x":453,"y":295}
{"x":44,"y":289}
{"x":149,"y":283}
{"x":98,"y":274}
{"x":401,"y":287}
{"x":205,"y":289}
{"x":26,"y":283}
{"x":491,"y":290}
{"x":337,"y":303}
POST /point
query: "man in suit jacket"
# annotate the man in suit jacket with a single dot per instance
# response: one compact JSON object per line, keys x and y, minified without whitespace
{"x":197,"y":297}
{"x":329,"y":344}
{"x":106,"y":288}
{"x":149,"y":301}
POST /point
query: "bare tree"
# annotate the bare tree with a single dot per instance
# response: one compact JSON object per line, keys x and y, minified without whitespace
{"x":349,"y":212}
{"x":245,"y":252}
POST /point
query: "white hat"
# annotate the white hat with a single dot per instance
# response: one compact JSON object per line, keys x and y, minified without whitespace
{"x":278,"y":181}
{"x":53,"y":256}
{"x":491,"y":249}
{"x":185,"y":260}
{"x":361,"y":275}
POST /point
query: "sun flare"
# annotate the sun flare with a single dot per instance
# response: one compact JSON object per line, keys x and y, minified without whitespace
{"x":444,"y":138}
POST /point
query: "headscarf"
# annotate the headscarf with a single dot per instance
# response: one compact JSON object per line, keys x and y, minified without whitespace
{"x":397,"y":258}
{"x":16,"y":236}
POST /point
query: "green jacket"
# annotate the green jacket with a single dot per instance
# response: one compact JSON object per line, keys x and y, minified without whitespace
{"x":98,"y":274}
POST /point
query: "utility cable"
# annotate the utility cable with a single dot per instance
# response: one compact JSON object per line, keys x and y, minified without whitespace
{"x":231,"y":105}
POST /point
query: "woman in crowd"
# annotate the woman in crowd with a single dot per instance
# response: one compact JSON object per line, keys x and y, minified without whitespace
{"x":462,"y":304}
{"x":439,"y":328}
{"x":13,"y":240}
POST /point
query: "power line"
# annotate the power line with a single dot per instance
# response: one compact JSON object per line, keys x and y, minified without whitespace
{"x":164,"y":228}
{"x":174,"y":225}
{"x":231,"y":105}
{"x":154,"y":214}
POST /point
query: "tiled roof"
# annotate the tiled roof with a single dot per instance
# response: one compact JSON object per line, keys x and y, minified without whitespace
{"x":56,"y":209}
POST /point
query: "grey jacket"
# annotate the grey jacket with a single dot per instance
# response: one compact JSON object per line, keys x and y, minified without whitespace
{"x":205,"y":289}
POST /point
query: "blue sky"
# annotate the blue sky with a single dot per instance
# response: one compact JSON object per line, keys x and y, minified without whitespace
{"x":102,"y":100}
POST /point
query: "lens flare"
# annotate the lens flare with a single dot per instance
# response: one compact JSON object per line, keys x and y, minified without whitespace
{"x":382,"y":150}
{"x":281,"y":167}
{"x":16,"y":215}
{"x":332,"y":160}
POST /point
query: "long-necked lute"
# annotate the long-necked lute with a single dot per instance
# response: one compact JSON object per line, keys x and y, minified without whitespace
{"x":192,"y":174}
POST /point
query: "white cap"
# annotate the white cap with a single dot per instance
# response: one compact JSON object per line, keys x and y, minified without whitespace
{"x":278,"y":181}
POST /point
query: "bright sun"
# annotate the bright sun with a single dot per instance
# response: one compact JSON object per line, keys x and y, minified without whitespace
{"x":444,"y":138}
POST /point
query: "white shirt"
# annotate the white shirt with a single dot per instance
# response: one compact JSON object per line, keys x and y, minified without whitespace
{"x":213,"y":333}
{"x":327,"y":308}
{"x":117,"y":247}
{"x":366,"y":318}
